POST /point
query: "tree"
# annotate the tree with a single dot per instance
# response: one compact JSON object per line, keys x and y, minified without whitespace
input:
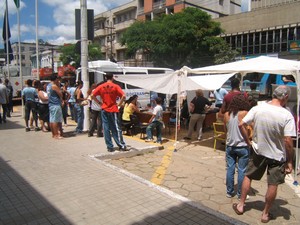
{"x":71,"y":55}
{"x":185,"y":38}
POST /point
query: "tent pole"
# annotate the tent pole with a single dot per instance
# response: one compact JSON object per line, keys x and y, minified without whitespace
{"x":297,"y":133}
{"x":177,"y":121}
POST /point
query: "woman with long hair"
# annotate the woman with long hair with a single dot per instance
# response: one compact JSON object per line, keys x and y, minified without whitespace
{"x":237,"y":150}
{"x":130,"y":108}
{"x":43,"y":109}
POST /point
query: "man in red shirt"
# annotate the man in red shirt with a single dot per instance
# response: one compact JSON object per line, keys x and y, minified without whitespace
{"x":235,"y":90}
{"x":109,"y":92}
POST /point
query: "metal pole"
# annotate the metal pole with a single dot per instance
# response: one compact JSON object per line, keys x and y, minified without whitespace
{"x":36,"y":41}
{"x":20,"y":57}
{"x":6,"y":33}
{"x":52,"y":60}
{"x":84,"y":59}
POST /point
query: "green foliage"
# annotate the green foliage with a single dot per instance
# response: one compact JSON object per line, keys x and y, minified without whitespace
{"x":69,"y":54}
{"x":187,"y":38}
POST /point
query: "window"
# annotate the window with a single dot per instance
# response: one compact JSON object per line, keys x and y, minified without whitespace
{"x":221,"y":2}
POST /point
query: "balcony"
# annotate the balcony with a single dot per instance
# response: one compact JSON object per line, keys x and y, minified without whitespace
{"x":159,"y":4}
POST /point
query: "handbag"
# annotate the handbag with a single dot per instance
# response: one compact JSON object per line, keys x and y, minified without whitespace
{"x":84,"y":103}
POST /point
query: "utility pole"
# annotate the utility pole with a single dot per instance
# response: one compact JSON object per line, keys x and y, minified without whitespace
{"x":52,"y":60}
{"x":84,"y":58}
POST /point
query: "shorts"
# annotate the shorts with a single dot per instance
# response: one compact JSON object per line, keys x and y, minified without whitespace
{"x":258,"y":164}
{"x":55,"y":114}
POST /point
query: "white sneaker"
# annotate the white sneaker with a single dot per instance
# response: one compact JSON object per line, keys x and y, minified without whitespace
{"x":148,"y":140}
{"x":247,"y":197}
{"x":228,"y":195}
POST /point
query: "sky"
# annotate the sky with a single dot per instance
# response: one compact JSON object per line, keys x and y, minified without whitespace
{"x":56,"y":18}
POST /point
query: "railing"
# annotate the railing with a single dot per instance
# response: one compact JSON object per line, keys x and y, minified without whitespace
{"x":159,"y":4}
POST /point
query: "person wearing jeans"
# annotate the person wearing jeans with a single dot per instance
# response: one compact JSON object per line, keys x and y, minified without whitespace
{"x":237,"y":150}
{"x":155,"y":122}
{"x":96,"y":117}
{"x":235,"y":155}
{"x":80,"y":117}
{"x":79,"y":108}
{"x":109,"y":92}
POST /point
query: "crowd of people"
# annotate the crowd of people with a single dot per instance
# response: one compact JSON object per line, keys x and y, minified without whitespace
{"x":268,"y":148}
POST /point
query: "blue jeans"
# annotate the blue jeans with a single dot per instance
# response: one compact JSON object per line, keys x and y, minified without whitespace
{"x":71,"y":106}
{"x":235,"y":155}
{"x":80,"y":117}
{"x":112,"y":128}
{"x":149,"y":130}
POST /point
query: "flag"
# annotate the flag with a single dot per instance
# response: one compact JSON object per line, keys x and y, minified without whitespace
{"x":17,"y":2}
{"x":4,"y":27}
{"x":7,"y":44}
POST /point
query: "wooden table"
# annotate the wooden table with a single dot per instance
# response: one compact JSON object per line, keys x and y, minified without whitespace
{"x":210,"y":118}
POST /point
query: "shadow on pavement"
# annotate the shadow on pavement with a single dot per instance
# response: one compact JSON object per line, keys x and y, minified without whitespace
{"x":20,"y":203}
{"x":11,"y":124}
{"x":186,"y":214}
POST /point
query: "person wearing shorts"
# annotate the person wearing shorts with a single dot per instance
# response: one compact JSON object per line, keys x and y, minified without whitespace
{"x":272,"y":147}
{"x":55,"y":111}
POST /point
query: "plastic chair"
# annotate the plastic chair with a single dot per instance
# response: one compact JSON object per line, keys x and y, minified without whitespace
{"x":219,"y":133}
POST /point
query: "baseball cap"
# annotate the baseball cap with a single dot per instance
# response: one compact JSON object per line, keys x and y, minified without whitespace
{"x":281,"y":91}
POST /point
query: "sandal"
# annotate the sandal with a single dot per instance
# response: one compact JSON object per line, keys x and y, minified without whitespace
{"x":234,"y":206}
{"x":270,"y":217}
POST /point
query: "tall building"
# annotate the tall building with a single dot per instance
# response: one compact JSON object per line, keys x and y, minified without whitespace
{"x":147,"y":10}
{"x":110,"y":25}
{"x":270,"y":30}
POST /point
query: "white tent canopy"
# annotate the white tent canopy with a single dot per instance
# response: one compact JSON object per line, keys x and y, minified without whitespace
{"x":262,"y":64}
{"x":175,"y":82}
{"x":169,"y":83}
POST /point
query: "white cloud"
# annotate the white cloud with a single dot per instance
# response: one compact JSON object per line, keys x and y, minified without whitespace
{"x":64,"y":15}
{"x":63,"y":28}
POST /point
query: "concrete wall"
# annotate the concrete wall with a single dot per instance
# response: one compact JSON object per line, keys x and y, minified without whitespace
{"x":262,"y":18}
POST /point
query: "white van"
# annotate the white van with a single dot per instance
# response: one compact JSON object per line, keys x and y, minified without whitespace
{"x":97,"y":70}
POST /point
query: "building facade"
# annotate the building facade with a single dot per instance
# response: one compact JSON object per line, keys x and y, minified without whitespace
{"x":110,"y":25}
{"x":269,"y":30}
{"x":259,"y":4}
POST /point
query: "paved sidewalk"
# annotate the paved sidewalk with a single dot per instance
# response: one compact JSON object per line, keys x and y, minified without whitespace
{"x":46,"y":181}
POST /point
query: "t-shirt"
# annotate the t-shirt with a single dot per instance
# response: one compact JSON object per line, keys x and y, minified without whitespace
{"x":94,"y":105}
{"x":271,"y":124}
{"x":228,"y":98}
{"x":127,"y":112}
{"x":109,"y":92}
{"x":3,"y":94}
{"x":158,"y":112}
{"x":219,"y":95}
{"x":71,"y":91}
{"x":199,"y":103}
{"x":29,"y":93}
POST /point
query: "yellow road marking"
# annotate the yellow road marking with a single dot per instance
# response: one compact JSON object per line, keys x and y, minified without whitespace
{"x":160,"y":172}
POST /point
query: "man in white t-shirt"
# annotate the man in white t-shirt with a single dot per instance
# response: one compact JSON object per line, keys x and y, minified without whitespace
{"x":272,"y":146}
{"x":155,"y":122}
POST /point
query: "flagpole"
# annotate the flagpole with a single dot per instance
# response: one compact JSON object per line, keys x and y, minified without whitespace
{"x":20,"y":58}
{"x":36,"y":40}
{"x":6,"y":33}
